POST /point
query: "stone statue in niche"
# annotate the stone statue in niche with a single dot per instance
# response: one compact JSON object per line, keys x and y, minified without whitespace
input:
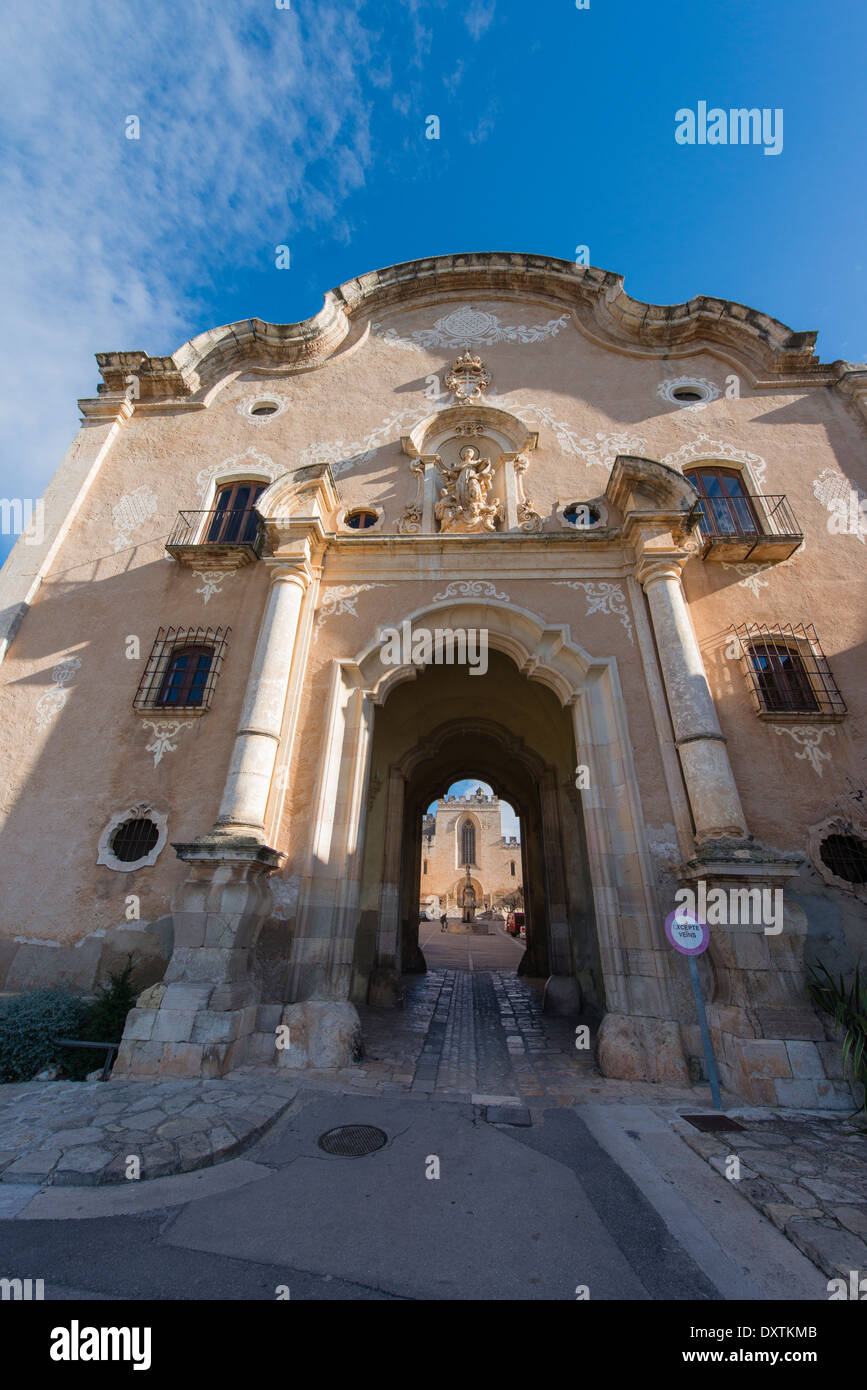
{"x":463,"y":503}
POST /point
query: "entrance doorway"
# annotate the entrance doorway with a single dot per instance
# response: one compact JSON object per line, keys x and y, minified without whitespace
{"x":471,"y":894}
{"x":516,"y":738}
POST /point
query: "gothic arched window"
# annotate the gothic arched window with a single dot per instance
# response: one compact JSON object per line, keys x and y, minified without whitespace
{"x":468,"y":843}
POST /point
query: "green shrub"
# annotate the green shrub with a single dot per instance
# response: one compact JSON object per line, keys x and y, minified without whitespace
{"x":28,"y":1022}
{"x":848,"y":1008}
{"x":103,"y":1022}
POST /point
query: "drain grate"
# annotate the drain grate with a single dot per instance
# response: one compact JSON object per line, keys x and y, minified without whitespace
{"x":711,"y":1124}
{"x":352,"y":1141}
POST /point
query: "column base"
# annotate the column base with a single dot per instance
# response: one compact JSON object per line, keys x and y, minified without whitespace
{"x":634,"y":1048}
{"x":323,"y":1033}
{"x":562,"y":995}
{"x":386,"y":988}
{"x":201,"y":1019}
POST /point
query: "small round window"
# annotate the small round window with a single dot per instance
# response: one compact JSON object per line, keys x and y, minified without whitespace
{"x":846,"y":857}
{"x":581,"y":514}
{"x":687,"y":394}
{"x":361,"y":520}
{"x":134,"y":840}
{"x":264,"y":408}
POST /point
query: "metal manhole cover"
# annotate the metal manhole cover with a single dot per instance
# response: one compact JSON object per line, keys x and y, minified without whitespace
{"x":352,"y":1141}
{"x":711,"y":1124}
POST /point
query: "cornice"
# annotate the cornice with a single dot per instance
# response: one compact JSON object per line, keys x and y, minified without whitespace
{"x":772,"y":353}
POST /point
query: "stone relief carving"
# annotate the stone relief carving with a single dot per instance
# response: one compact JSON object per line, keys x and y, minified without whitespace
{"x":603,"y":597}
{"x":468,"y":379}
{"x":131,"y":512}
{"x":463,"y":504}
{"x":52,"y":701}
{"x":810,"y":740}
{"x":599,"y":451}
{"x":703,"y":447}
{"x":528,"y":518}
{"x":409,"y":523}
{"x":106,"y":856}
{"x":467,"y":325}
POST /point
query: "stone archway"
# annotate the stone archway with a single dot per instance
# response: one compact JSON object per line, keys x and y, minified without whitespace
{"x":353,"y":931}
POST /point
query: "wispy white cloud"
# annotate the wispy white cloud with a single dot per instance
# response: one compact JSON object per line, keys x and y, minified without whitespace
{"x":254,"y":127}
{"x":479,"y":16}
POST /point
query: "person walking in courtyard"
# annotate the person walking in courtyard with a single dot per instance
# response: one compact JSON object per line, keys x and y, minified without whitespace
{"x":444,"y":921}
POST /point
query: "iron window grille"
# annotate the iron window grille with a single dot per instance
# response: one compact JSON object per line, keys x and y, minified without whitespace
{"x":134,"y":839}
{"x":182,"y":669}
{"x":846,"y":857}
{"x":787,"y":671}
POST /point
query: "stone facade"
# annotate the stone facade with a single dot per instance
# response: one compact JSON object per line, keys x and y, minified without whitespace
{"x":473,"y":824}
{"x":496,"y":443}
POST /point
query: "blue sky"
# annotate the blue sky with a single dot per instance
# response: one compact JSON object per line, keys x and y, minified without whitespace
{"x":305,"y":127}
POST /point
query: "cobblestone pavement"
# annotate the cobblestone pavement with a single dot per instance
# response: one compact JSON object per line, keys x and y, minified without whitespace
{"x":807,"y":1174}
{"x":471,"y":1030}
{"x":81,"y":1133}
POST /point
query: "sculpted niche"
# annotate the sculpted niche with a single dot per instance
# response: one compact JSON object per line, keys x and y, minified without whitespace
{"x":469,"y":487}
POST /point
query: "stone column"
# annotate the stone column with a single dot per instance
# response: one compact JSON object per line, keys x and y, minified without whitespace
{"x":385,"y":983}
{"x":562,"y":993}
{"x":710,"y":783}
{"x":245,"y":796}
{"x":203,"y":1018}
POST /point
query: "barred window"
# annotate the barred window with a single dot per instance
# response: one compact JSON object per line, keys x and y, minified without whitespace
{"x":182,"y":669}
{"x":134,"y":839}
{"x":787,"y":670}
{"x":846,"y":857}
{"x":186,"y":678}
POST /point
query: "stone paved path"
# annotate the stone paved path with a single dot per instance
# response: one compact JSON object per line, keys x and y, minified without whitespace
{"x":807,"y":1174}
{"x":81,"y":1133}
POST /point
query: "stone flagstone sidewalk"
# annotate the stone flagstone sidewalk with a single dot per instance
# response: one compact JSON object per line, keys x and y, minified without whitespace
{"x":807,"y":1173}
{"x":76,"y":1134}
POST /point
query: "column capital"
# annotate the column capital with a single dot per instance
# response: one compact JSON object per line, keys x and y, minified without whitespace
{"x":649,"y":567}
{"x":291,"y":569}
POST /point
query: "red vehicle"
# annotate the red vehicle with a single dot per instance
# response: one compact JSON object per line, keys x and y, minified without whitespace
{"x":515,"y":924}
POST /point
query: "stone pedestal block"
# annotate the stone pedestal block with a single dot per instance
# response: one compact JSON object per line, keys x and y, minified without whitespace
{"x":386,"y":988}
{"x":632,"y":1048}
{"x":199,"y":1021}
{"x":562,"y":996}
{"x":322,"y":1033}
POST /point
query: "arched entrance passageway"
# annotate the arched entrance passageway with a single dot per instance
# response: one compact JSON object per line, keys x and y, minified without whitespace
{"x":515,"y":735}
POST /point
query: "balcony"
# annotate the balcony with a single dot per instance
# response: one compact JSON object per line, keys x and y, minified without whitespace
{"x":219,"y":539}
{"x":761,"y":529}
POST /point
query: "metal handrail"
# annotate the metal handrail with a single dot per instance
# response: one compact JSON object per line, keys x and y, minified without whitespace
{"x":194,"y":528}
{"x":110,"y":1050}
{"x":748,"y":515}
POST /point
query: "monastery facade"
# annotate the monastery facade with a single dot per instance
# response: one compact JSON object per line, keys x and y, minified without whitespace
{"x":655,"y":516}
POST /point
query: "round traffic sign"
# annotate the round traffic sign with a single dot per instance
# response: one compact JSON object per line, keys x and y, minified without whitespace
{"x":686,"y":932}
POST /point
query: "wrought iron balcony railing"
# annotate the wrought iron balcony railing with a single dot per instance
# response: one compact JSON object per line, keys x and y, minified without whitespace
{"x":745,"y":527}
{"x":234,"y":537}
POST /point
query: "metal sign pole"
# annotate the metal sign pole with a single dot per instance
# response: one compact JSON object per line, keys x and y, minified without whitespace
{"x":709,"y":1058}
